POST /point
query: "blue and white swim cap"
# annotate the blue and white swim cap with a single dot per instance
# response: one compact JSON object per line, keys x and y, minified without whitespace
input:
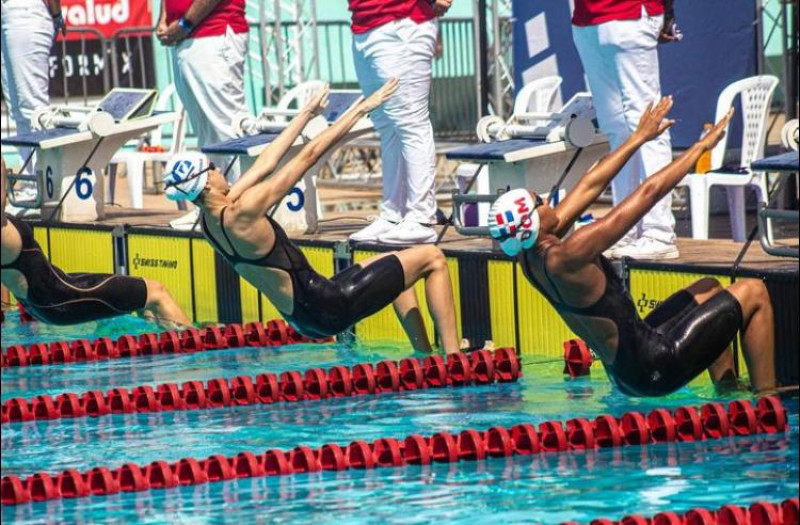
{"x":514,"y":221}
{"x":185,"y":176}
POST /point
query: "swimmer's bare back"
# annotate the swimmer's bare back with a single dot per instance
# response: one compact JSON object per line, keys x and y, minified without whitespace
{"x":252,"y":238}
{"x":581,"y":288}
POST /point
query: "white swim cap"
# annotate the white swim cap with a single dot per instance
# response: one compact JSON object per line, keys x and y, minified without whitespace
{"x":185,"y":176}
{"x":514,"y":221}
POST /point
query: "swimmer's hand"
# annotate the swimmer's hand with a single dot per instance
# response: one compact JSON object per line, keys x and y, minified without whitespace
{"x":377,"y":99}
{"x":654,"y":120}
{"x":317,"y":104}
{"x":717,"y":133}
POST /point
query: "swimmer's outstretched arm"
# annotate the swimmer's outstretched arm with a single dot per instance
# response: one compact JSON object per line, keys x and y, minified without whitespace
{"x":652,"y":124}
{"x":269,"y":159}
{"x":589,"y":242}
{"x":263,"y":196}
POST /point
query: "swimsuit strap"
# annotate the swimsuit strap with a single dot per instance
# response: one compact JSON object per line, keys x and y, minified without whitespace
{"x":283,"y":255}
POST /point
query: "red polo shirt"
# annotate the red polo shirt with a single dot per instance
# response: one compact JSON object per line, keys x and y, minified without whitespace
{"x":369,"y":14}
{"x":594,"y":12}
{"x":227,"y":13}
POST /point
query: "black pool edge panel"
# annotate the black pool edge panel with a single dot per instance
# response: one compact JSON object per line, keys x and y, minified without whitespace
{"x":476,"y":321}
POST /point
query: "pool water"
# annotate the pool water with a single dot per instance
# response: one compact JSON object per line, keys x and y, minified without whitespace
{"x":549,"y":488}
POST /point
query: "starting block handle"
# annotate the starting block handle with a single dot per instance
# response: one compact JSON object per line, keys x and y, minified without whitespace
{"x":30,"y":204}
{"x":765,"y":214}
{"x":471,"y":231}
{"x":539,"y":116}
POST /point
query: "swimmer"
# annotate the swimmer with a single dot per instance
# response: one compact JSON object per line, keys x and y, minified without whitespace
{"x":237,"y":223}
{"x":690,"y":332}
{"x":58,"y":298}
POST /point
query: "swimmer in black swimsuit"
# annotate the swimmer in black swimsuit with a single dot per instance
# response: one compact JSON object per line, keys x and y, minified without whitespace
{"x":55,"y":297}
{"x":237,"y":223}
{"x":690,"y":332}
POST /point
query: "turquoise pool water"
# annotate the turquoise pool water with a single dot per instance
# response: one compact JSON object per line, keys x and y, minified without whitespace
{"x":543,"y":489}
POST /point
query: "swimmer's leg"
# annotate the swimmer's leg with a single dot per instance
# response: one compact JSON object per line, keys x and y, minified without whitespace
{"x":678,"y":306}
{"x":406,"y":306}
{"x":163,"y":307}
{"x":429,"y":263}
{"x":758,"y":332}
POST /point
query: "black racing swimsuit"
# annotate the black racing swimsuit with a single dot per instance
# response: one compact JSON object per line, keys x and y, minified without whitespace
{"x":59,"y":298}
{"x":323,"y":307}
{"x":670,"y":347}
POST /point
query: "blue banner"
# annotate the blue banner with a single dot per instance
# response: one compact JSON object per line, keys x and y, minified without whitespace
{"x":719,"y":47}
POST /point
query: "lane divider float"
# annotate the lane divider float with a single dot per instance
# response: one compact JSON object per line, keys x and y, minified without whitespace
{"x":274,"y":333}
{"x":759,"y":513}
{"x":479,"y":368}
{"x":631,"y":429}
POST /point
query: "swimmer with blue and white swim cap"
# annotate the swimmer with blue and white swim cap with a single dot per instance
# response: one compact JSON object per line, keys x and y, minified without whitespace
{"x":690,"y":332}
{"x":55,"y":297}
{"x":236,"y":221}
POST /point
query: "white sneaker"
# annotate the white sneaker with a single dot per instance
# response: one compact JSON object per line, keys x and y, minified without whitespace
{"x":409,"y":232}
{"x":647,"y":248}
{"x":374,"y":230}
{"x":187,"y":222}
{"x":621,"y":244}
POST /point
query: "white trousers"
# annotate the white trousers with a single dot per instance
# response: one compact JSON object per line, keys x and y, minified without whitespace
{"x":402,"y":49}
{"x":209,"y":79}
{"x":621,"y":63}
{"x":27,"y":36}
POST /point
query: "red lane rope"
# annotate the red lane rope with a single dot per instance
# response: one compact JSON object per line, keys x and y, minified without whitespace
{"x":481,"y":367}
{"x":274,"y":333}
{"x":631,"y":429}
{"x":758,"y":513}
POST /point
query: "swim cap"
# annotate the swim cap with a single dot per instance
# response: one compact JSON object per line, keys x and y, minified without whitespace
{"x":185,"y":176}
{"x":514,"y":221}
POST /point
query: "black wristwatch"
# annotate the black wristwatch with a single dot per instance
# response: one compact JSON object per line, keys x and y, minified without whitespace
{"x":58,"y":22}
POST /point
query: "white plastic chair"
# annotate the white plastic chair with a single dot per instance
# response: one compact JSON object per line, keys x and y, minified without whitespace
{"x":135,"y":161}
{"x":756,"y":98}
{"x":299,"y":95}
{"x":537,"y":96}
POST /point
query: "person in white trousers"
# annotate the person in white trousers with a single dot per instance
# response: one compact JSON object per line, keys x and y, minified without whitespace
{"x":210,"y":44}
{"x":209,"y":38}
{"x":28,"y":29}
{"x":401,"y":44}
{"x":620,"y":58}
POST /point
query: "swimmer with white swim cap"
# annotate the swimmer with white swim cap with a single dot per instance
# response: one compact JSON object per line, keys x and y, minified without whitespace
{"x":690,"y":332}
{"x":237,"y":223}
{"x":59,"y":298}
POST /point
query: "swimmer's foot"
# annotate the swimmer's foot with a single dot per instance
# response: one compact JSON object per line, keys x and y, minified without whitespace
{"x":467,"y":346}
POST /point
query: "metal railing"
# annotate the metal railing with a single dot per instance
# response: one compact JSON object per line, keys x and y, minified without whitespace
{"x":87,"y":65}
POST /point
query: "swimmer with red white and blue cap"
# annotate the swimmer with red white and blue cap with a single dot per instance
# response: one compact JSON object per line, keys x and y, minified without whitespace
{"x":236,"y":221}
{"x":55,"y":297}
{"x":690,"y":332}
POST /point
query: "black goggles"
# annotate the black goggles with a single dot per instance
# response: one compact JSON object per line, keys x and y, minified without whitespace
{"x":177,"y":180}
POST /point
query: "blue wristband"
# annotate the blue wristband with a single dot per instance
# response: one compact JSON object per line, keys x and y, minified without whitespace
{"x":185,"y":25}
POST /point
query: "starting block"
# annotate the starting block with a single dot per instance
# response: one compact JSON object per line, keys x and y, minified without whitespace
{"x":74,"y":144}
{"x":300,"y":211}
{"x":539,"y":151}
